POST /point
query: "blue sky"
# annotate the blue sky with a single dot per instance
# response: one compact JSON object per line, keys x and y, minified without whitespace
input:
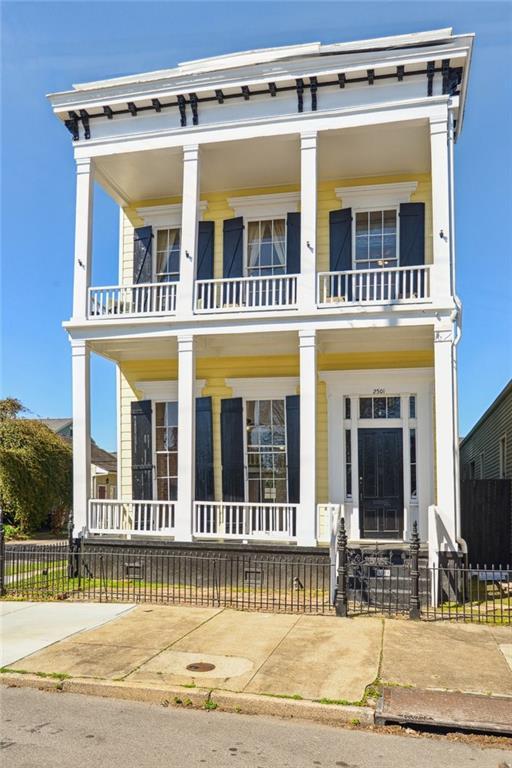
{"x":48,"y":46}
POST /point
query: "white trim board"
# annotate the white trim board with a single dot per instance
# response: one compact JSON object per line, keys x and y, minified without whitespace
{"x":165,"y":390}
{"x":374,"y":195}
{"x":265,"y":387}
{"x":263,"y":206}
{"x":166,"y":215}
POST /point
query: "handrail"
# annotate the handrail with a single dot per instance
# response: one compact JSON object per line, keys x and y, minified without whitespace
{"x":374,"y":286}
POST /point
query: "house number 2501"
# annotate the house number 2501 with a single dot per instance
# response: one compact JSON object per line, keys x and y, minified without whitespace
{"x":379,"y":391}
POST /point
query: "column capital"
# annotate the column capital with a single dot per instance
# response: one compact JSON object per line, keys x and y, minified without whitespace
{"x":79,"y":347}
{"x":307,"y":338}
{"x":438,"y":125}
{"x":191,"y":151}
{"x":84,"y":165}
{"x":185,"y":342}
{"x":308,"y":140}
{"x":442,"y":335}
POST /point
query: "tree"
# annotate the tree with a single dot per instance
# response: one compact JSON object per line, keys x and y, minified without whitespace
{"x":35,"y":469}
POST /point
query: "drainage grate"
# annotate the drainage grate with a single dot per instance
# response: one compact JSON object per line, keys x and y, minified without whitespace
{"x":200,"y":666}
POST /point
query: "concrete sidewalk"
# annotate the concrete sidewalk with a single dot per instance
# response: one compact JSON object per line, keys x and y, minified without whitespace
{"x":319,"y":658}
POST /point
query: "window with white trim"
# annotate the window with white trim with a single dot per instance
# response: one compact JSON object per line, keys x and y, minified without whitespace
{"x":376,"y":239}
{"x":166,"y":450}
{"x":266,"y":451}
{"x":167,"y":262}
{"x":266,"y":247}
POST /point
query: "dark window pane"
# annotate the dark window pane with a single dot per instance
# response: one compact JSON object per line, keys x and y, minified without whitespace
{"x":173,"y":464}
{"x":413,"y":480}
{"x":347,"y":407}
{"x":361,"y":223}
{"x":379,"y":408}
{"x":172,"y":414}
{"x":161,"y":465}
{"x":375,"y":222}
{"x":160,"y":414}
{"x":413,"y":446}
{"x":173,"y":489}
{"x":361,"y":248}
{"x":162,"y":490}
{"x":412,"y":407}
{"x":365,"y":408}
{"x":278,"y":412}
{"x":389,"y":222}
{"x":393,"y":407}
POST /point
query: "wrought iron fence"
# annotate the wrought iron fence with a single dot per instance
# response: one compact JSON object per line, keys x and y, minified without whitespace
{"x":238,"y":581}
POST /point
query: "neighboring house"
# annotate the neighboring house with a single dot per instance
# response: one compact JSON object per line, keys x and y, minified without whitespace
{"x":486,"y":451}
{"x":285,"y":322}
{"x":103,"y":463}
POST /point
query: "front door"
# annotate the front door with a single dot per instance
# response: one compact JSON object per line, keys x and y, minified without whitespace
{"x":381,"y":483}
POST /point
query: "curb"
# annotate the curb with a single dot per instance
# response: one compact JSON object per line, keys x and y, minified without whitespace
{"x":199,"y":698}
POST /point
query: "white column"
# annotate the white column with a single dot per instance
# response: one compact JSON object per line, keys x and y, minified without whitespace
{"x":83,"y":237}
{"x":306,"y":521}
{"x":186,"y":437}
{"x":81,"y":434}
{"x":441,"y":231}
{"x":445,"y":437}
{"x":189,"y":230}
{"x":308,"y":205}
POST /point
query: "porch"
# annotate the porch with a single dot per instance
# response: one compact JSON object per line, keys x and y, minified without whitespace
{"x":217,"y":445}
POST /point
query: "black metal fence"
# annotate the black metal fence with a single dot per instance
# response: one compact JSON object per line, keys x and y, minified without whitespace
{"x":238,"y":581}
{"x":364,"y":581}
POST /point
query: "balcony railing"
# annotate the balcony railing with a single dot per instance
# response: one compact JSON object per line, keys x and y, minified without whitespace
{"x":141,"y":518}
{"x":129,"y":300}
{"x":374,"y":286}
{"x":246,"y":294}
{"x":238,"y":520}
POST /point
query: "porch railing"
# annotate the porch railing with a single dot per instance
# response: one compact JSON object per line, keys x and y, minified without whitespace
{"x":131,"y":300}
{"x":246,"y":294}
{"x":374,"y":286}
{"x":238,"y":520}
{"x":142,"y":518}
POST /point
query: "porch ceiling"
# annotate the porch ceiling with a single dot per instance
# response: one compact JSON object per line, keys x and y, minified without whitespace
{"x":266,"y":162}
{"x":343,"y":341}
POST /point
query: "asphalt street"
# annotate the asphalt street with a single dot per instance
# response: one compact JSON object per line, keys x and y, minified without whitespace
{"x":48,"y":729}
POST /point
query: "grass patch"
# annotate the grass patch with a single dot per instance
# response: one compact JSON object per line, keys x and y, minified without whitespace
{"x":294,"y":696}
{"x":210,"y":704}
{"x":50,"y":675}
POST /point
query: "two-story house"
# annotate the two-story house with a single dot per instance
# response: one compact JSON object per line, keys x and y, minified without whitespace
{"x":285,"y":320}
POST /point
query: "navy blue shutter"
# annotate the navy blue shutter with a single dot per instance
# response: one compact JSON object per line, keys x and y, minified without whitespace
{"x":340,"y":240}
{"x":204,"y":449}
{"x":142,"y":450}
{"x":412,"y":234}
{"x":293,"y":447}
{"x":293,"y":244}
{"x":412,"y":246}
{"x":143,"y":255}
{"x":205,"y":250}
{"x":232,"y":445}
{"x":233,"y":247}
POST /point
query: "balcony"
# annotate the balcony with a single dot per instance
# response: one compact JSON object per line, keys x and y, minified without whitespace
{"x":374,"y":286}
{"x":216,"y":519}
{"x":115,"y":301}
{"x":246,"y":294}
{"x":141,"y":518}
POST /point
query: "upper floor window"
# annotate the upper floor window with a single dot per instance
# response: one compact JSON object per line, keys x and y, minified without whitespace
{"x":266,"y":247}
{"x":376,"y":239}
{"x":167,"y":267}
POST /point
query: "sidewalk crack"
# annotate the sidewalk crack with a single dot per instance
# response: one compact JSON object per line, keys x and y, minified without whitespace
{"x":272,"y":652}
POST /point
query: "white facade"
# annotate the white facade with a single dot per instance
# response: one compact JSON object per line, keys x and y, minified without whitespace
{"x":269,"y":120}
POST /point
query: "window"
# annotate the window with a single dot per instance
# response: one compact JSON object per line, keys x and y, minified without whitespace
{"x":348,"y":463}
{"x":266,"y":451}
{"x":412,"y":447}
{"x":376,"y":239}
{"x":379,"y":407}
{"x":266,"y":247}
{"x":168,"y":255}
{"x":503,"y":457}
{"x":412,"y":407}
{"x":166,"y":429}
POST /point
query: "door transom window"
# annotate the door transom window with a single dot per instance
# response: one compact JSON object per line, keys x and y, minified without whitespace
{"x":266,"y":247}
{"x":266,"y":451}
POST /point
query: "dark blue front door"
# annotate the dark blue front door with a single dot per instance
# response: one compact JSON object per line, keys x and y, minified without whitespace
{"x":381,"y":483}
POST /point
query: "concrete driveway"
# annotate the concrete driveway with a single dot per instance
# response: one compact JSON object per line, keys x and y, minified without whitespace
{"x":30,"y":627}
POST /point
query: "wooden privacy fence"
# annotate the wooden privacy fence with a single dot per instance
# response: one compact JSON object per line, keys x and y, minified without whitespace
{"x":486,"y":520}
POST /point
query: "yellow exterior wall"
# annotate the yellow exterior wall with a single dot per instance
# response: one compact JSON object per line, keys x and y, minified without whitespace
{"x":218,"y":210}
{"x":215,"y":371}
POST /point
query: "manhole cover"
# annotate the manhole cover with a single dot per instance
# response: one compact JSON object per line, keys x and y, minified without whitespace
{"x":200,"y":666}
